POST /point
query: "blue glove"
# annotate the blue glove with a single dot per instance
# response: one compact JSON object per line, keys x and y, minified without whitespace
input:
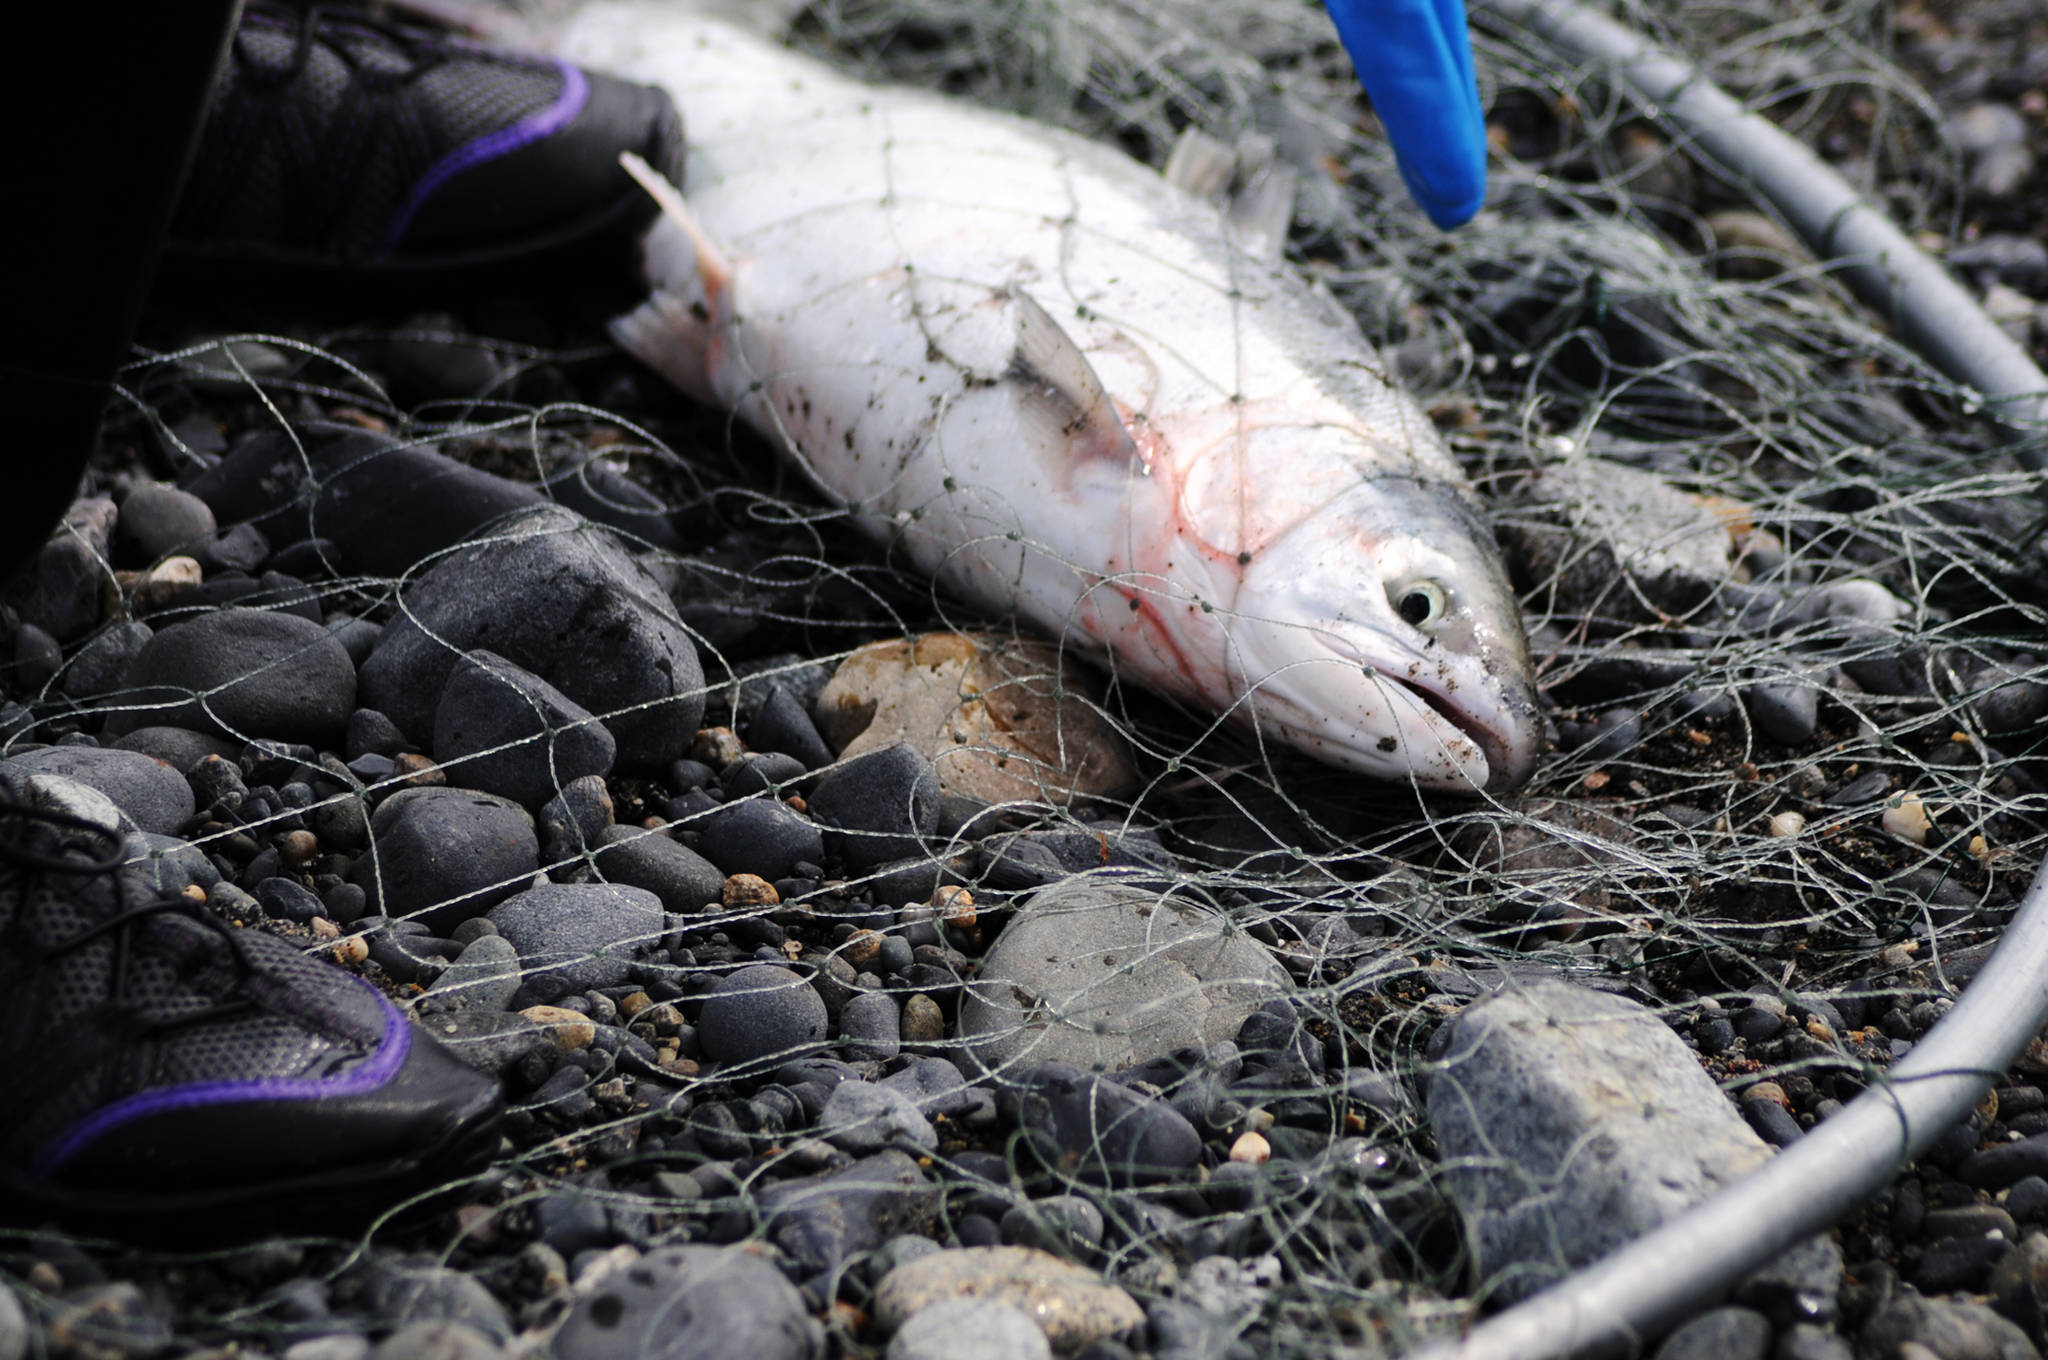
{"x":1414,"y":58}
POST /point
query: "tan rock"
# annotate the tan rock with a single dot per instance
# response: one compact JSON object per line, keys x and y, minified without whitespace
{"x":1003,"y":719}
{"x":566,"y":1028}
{"x":1071,"y":1304}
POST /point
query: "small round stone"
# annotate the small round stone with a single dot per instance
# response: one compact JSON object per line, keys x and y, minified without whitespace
{"x":761,"y":1012}
{"x":923,"y":1021}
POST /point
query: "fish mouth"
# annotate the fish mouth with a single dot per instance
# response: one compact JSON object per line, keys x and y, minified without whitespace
{"x":1509,"y":762}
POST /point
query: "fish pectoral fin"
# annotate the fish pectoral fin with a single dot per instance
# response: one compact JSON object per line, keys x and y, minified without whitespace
{"x":1200,"y":164}
{"x":1253,"y":185}
{"x":1060,"y":390}
{"x":713,"y":266}
{"x":679,"y":330}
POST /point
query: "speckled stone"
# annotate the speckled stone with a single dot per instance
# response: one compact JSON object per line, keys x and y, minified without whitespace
{"x":1105,"y":976}
{"x":1071,"y":1304}
{"x":690,"y":1303}
{"x":1570,"y":1122}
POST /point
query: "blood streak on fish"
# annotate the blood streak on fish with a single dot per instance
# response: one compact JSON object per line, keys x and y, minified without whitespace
{"x":1065,"y":387}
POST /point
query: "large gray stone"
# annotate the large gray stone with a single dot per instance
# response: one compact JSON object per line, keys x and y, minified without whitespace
{"x":443,"y":855}
{"x":1105,"y":975}
{"x":1570,"y":1122}
{"x":503,"y":729}
{"x":1604,"y":537}
{"x":559,"y":596}
{"x":246,"y":673}
{"x":586,"y":933}
{"x":149,"y":791}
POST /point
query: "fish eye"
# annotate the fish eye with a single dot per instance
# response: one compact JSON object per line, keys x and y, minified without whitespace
{"x":1420,"y":603}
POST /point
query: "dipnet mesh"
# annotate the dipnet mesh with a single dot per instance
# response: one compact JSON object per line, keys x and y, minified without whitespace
{"x":1783,"y":587}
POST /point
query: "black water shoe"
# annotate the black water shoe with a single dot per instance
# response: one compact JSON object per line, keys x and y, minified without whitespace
{"x":163,"y":1064}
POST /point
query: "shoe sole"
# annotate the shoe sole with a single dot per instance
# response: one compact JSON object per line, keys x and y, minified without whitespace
{"x":330,"y":1197}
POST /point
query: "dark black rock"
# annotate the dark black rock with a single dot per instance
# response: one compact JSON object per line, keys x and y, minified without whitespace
{"x":239,"y":547}
{"x":1958,"y":1263}
{"x":573,"y":822}
{"x":1999,"y":257}
{"x":1721,"y":1334}
{"x":371,"y":733}
{"x":1098,"y":1129}
{"x":1944,"y":1328}
{"x":503,"y":729}
{"x":783,"y":724}
{"x":879,"y":806}
{"x":274,"y":590}
{"x":761,"y":1012}
{"x":158,"y":520}
{"x":1800,"y":1284}
{"x":168,"y":865}
{"x":2027,"y":1201}
{"x":691,"y":1303}
{"x":560,"y":597}
{"x":101,"y":666}
{"x":445,"y":855}
{"x":861,"y":1117}
{"x":871,"y":1025}
{"x":37,"y":659}
{"x":1773,"y":1122}
{"x":286,"y":899}
{"x":683,"y":879}
{"x":61,"y":589}
{"x":2007,"y":1164}
{"x":824,"y":1222}
{"x":1783,"y":711}
{"x":601,"y":493}
{"x":585,"y":934}
{"x":149,"y":791}
{"x":429,"y":359}
{"x":383,"y":505}
{"x":758,"y":836}
{"x":759,"y":772}
{"x":2008,"y":700}
{"x":261,"y":674}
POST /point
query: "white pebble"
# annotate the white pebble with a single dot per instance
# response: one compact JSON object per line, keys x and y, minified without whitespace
{"x":969,"y":1329}
{"x":1251,"y":1148}
{"x":1906,"y":817}
{"x":1785,"y":825}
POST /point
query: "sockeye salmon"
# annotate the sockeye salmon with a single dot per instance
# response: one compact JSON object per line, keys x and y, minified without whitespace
{"x":1065,"y":388}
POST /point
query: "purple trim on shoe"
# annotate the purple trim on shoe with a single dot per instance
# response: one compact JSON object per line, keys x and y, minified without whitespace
{"x":535,"y":127}
{"x":368,"y":1076}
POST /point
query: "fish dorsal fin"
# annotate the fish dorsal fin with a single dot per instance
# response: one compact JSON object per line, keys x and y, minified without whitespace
{"x":1254,"y":186}
{"x":1200,"y":164}
{"x":1061,"y":391}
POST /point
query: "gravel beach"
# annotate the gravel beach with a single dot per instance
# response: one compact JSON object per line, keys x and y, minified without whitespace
{"x":866,"y":976}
